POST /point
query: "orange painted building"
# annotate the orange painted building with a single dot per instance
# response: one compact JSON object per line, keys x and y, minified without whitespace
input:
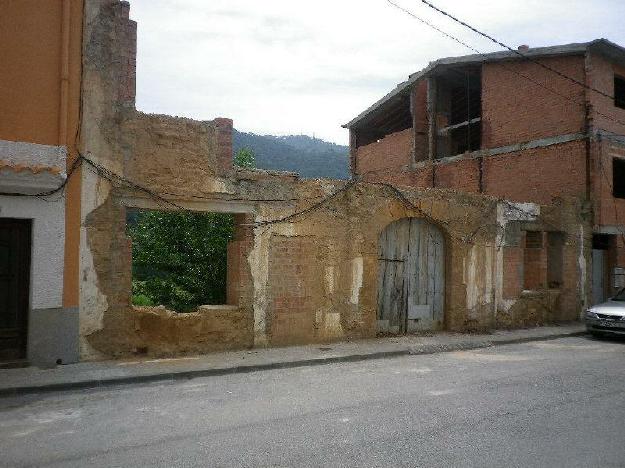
{"x":40,"y":89}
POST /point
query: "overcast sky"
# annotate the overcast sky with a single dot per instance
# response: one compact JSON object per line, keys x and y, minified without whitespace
{"x":294,"y":67}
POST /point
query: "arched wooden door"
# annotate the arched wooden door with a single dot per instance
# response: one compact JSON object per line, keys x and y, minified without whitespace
{"x":411,"y":277}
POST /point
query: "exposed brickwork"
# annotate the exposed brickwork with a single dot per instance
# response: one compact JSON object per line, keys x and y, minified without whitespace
{"x":603,"y":113}
{"x":462,"y":175}
{"x":515,"y":109}
{"x":291,"y":276}
{"x":538,"y":175}
{"x":513,"y":272}
{"x":393,"y":151}
{"x":127,"y":33}
{"x":224,"y":142}
{"x":609,"y":211}
{"x":535,"y":265}
{"x":239,"y":280}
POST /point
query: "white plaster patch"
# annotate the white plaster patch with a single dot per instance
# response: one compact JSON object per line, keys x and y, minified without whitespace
{"x":93,"y":304}
{"x":357,"y":270}
{"x":258,"y":261}
{"x":332,"y":327}
{"x":478,"y":276}
{"x":329,"y":279}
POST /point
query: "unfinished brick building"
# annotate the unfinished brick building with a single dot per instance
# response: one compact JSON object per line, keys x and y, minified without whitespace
{"x":511,"y":127}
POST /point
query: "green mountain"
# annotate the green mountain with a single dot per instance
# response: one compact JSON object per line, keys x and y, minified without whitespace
{"x":310,"y":157}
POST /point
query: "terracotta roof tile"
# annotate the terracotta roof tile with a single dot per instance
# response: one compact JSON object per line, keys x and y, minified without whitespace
{"x":34,"y":168}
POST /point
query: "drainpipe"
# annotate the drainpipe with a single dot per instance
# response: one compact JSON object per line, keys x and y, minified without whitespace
{"x":64,"y":105}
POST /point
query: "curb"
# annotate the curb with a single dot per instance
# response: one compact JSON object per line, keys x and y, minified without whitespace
{"x":188,"y":375}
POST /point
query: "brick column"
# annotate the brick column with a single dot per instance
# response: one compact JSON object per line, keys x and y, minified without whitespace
{"x":224,"y":144}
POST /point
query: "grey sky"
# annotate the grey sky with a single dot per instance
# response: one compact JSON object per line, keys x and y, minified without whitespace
{"x":291,"y":67}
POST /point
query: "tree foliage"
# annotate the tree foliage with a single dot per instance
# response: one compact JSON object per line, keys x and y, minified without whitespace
{"x":179,"y":259}
{"x":245,"y":158}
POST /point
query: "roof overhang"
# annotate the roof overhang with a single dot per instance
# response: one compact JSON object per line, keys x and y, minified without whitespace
{"x":602,"y":46}
{"x":30,"y":168}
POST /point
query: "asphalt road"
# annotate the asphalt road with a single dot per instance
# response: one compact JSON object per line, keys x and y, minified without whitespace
{"x":551,"y":403}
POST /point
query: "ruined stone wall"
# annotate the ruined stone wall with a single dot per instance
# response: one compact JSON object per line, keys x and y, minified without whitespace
{"x":303,"y":267}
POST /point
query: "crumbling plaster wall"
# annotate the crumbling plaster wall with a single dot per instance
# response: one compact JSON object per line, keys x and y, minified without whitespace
{"x":312,"y":278}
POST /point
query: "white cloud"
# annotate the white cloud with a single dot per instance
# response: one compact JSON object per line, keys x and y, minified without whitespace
{"x":284,"y":66}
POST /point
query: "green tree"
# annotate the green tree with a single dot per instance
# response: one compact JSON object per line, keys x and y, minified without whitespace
{"x":179,"y":259}
{"x":245,"y":157}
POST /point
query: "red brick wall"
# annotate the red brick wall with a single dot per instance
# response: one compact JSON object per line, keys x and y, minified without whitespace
{"x":224,"y":142}
{"x":291,"y":315}
{"x":609,"y":211}
{"x":601,"y":76}
{"x":535,"y":265}
{"x":393,"y":152}
{"x":239,"y":279}
{"x":538,"y":175}
{"x":515,"y":109}
{"x":512,"y":272}
{"x":127,"y":81}
{"x":462,"y":175}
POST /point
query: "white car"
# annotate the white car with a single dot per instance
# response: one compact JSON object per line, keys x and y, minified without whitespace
{"x":608,"y":317}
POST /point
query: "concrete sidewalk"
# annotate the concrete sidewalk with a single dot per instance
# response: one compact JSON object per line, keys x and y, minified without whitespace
{"x":96,"y":374}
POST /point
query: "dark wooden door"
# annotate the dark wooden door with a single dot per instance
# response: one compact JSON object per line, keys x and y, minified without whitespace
{"x":15,"y":241}
{"x":411,"y":277}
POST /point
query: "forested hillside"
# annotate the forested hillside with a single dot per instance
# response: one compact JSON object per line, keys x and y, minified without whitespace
{"x":310,"y":157}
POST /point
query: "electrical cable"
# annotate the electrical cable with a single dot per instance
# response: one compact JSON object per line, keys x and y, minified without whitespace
{"x":517,"y":52}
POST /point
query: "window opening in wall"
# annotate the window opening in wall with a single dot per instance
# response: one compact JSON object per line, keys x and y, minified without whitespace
{"x":619,"y":92}
{"x":458,"y":111}
{"x":618,"y":178}
{"x":179,"y":258}
{"x":392,"y":117}
{"x":543,"y":260}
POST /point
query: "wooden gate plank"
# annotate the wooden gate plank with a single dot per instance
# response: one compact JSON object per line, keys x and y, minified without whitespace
{"x":410,"y":276}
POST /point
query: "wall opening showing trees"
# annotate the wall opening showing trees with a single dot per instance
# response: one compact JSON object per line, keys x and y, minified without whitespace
{"x":179,"y":258}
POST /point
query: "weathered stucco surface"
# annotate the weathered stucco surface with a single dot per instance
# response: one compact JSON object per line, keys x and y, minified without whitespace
{"x":311,"y":278}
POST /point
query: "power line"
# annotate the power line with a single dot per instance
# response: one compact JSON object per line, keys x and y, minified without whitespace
{"x":517,"y":52}
{"x":601,"y":166}
{"x":511,"y":70}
